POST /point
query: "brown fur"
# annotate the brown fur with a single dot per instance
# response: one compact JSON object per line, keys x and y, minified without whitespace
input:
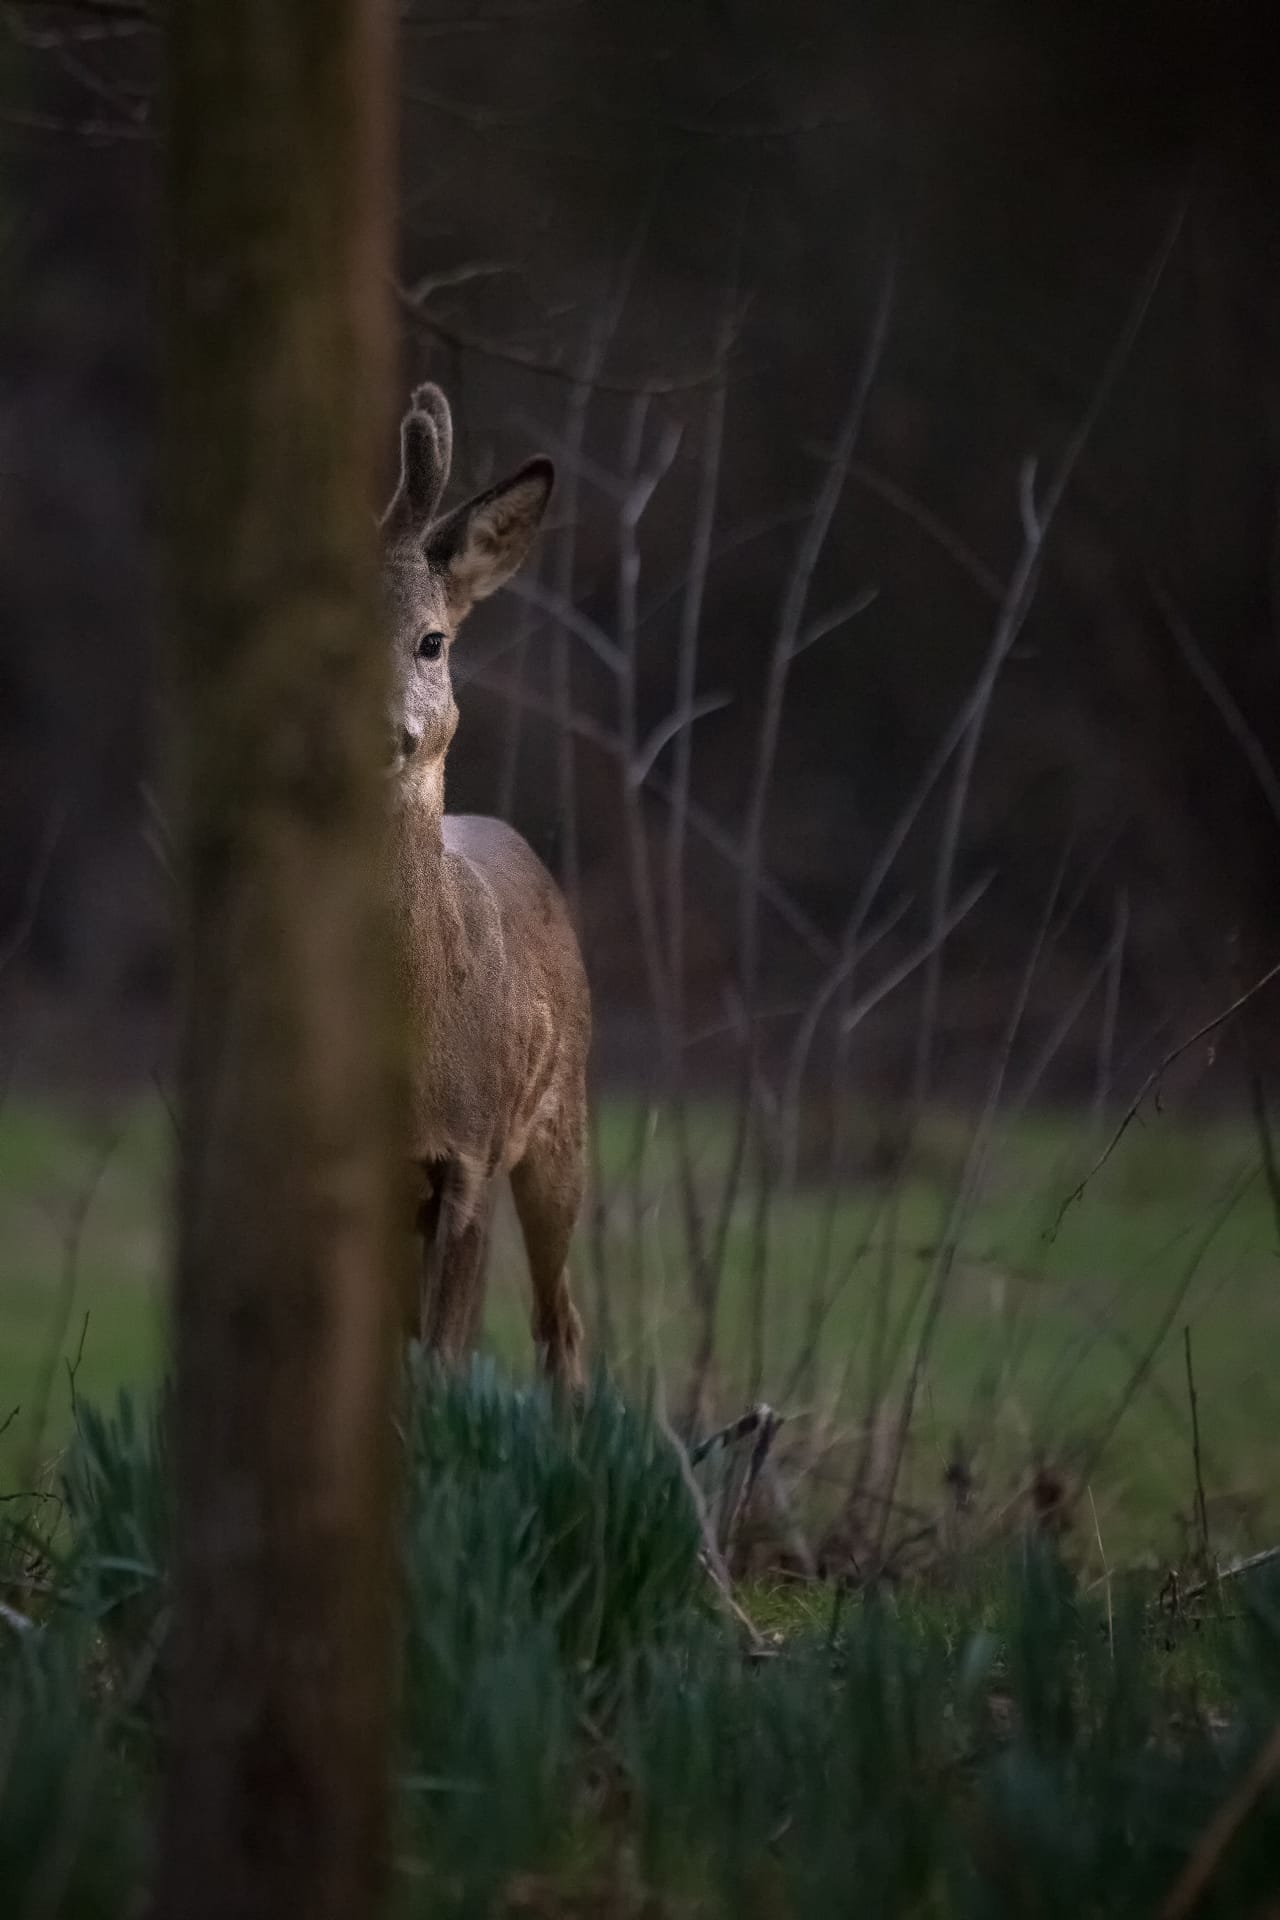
{"x":497,"y":996}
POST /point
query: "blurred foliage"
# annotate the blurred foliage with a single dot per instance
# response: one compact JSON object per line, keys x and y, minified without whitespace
{"x":72,"y":1829}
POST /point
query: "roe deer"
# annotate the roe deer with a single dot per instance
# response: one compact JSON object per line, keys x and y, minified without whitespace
{"x":496,"y":992}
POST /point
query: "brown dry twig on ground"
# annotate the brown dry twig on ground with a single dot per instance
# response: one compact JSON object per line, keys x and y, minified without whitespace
{"x":713,"y":1559}
{"x":1231,"y":1572}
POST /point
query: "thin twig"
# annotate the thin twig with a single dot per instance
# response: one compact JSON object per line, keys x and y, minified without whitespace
{"x":655,"y":385}
{"x":677,"y":726}
{"x":714,"y":1559}
{"x":742,"y":1428}
{"x":1110,"y":1012}
{"x":1202,"y":670}
{"x":558,"y":602}
{"x":1232,"y":1572}
{"x":704,"y":824}
{"x":1146,"y":1360}
{"x":681,"y":810}
{"x":1221,"y":1831}
{"x":73,"y":1366}
{"x":98,"y":132}
{"x":766,"y":1434}
{"x":1106,"y":1573}
{"x":867,"y":1002}
{"x":1037,"y":521}
{"x":1261,"y":1113}
{"x":790,"y":625}
{"x":67,"y":1292}
{"x":1153,"y":1080}
{"x":704,"y":519}
{"x":939,"y":1277}
{"x":944,"y":537}
{"x":33,"y":892}
{"x":836,"y":617}
{"x":133,"y":112}
{"x":1202,"y":1511}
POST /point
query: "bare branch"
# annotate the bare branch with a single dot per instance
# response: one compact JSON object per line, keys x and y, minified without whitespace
{"x":960,"y":910}
{"x":1210,"y":680}
{"x":704,"y":824}
{"x":562,"y":609}
{"x":943,"y":1265}
{"x":463,"y":276}
{"x":133,"y":112}
{"x":795,"y":598}
{"x":67,"y":1285}
{"x":838,"y":617}
{"x":136,"y":12}
{"x":791,"y":618}
{"x":1015,"y":606}
{"x":943,"y":537}
{"x":850,"y":957}
{"x":98,"y":132}
{"x":694,"y":592}
{"x":505,"y":351}
{"x":637,"y":497}
{"x":1032,"y":528}
{"x":20,"y":933}
{"x":712,"y":1556}
{"x":670,"y":729}
{"x":759,"y":527}
{"x":80,"y":33}
{"x":1111,"y":1009}
{"x":603,"y":478}
{"x":1099,"y":1442}
{"x":1153,"y":1080}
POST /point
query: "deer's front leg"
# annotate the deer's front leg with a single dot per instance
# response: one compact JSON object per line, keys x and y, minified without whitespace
{"x":454,"y":1265}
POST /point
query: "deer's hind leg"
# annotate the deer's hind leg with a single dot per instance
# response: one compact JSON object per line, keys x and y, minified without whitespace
{"x":453,"y":1271}
{"x":547,"y":1186}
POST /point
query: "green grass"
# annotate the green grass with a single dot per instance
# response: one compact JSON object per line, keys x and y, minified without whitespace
{"x":82,"y":1233}
{"x":1038,"y":1340}
{"x":582,"y":1730}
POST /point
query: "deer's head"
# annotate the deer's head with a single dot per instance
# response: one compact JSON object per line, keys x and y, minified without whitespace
{"x":434,"y":571}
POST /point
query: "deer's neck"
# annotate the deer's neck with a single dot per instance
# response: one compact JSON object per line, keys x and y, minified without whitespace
{"x":424,"y":903}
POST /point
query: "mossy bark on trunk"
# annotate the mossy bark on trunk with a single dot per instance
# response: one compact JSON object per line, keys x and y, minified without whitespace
{"x":279,"y":345}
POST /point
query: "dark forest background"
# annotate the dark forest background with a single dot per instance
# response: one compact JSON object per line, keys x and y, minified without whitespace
{"x":705,"y":196}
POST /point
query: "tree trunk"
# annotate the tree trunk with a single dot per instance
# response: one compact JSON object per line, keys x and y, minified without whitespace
{"x":280,"y":195}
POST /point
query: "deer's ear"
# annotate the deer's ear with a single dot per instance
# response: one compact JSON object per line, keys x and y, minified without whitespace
{"x":480,"y":544}
{"x":426,"y":451}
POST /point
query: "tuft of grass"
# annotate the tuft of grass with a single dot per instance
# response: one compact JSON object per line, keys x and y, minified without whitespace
{"x":587,"y":1509}
{"x":117,"y":1495}
{"x":72,"y":1827}
{"x":545,"y":1552}
{"x":580,"y":1731}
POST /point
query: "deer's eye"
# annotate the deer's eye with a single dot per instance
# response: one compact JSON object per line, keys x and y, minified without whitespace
{"x":431,"y":646}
